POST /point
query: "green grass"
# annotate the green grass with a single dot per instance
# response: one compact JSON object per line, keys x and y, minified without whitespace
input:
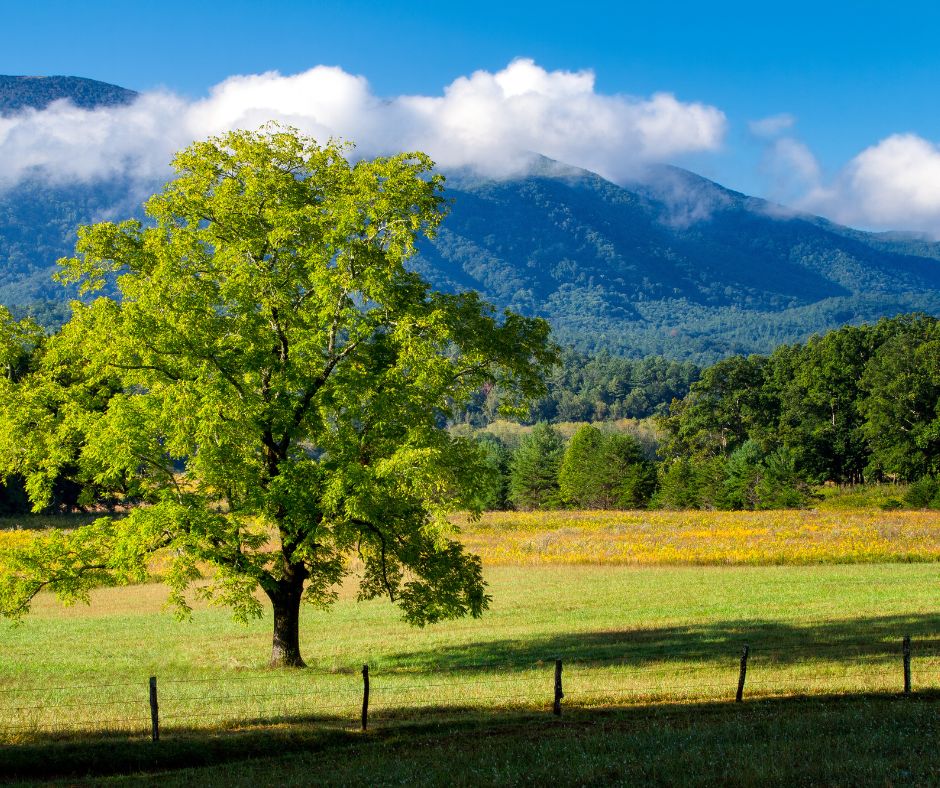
{"x":862,"y":740}
{"x":658,"y":643}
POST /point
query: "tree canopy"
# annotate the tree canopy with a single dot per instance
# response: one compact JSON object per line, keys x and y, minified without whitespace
{"x":269,"y":389}
{"x":860,"y":403}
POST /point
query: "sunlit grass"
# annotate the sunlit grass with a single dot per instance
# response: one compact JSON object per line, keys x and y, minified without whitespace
{"x":648,"y":611}
{"x":627,"y":637}
{"x":650,"y":538}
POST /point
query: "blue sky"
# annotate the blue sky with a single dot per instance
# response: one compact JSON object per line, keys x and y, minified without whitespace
{"x":847,"y":76}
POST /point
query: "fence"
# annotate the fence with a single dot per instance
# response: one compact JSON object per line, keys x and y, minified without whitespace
{"x":366,"y":697}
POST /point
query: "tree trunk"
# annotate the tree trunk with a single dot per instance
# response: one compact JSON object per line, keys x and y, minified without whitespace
{"x":285,"y":598}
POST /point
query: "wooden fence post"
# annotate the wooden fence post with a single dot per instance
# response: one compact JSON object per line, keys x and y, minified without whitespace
{"x":741,"y":676}
{"x":365,"y":697}
{"x":558,"y":693}
{"x":154,"y":710}
{"x":906,"y":650}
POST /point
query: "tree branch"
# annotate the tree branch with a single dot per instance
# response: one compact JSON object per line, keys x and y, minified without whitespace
{"x":317,"y":383}
{"x":385,"y":581}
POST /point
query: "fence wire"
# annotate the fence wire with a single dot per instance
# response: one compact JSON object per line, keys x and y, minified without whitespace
{"x":770,"y":669}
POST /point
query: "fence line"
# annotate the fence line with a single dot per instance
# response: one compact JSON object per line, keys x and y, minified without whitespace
{"x":564,"y":681}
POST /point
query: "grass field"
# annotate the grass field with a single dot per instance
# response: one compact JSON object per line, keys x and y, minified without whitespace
{"x":650,"y":655}
{"x":645,"y":538}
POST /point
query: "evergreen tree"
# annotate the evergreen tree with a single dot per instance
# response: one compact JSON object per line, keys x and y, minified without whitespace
{"x":582,"y":477}
{"x":533,"y":478}
{"x":678,"y":485}
{"x":628,"y":477}
{"x":605,"y":471}
{"x":494,"y":486}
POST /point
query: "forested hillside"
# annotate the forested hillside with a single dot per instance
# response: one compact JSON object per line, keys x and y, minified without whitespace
{"x":675,"y":265}
{"x":599,"y":387}
{"x":18,"y":93}
{"x":681,"y":268}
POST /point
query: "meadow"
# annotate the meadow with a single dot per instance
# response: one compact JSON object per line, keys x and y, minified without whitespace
{"x":707,"y":538}
{"x":648,"y":611}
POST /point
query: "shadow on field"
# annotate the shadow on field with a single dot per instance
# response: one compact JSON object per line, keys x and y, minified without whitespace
{"x":850,"y":639}
{"x":666,"y":731}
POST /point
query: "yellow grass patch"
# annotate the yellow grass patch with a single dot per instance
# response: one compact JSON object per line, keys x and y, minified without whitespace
{"x":661,"y":538}
{"x":703,"y":537}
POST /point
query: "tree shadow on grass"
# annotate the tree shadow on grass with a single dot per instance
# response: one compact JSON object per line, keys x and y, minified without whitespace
{"x":420,"y":731}
{"x":849,"y":639}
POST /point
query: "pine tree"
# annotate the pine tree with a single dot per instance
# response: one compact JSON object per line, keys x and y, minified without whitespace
{"x":581,"y":478}
{"x":533,"y":478}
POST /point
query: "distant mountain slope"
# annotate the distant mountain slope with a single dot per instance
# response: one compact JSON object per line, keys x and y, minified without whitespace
{"x":18,"y":93}
{"x":674,"y":264}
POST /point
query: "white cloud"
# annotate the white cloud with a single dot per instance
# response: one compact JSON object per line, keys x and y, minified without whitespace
{"x":792,"y":169}
{"x":798,"y":159}
{"x":772,"y":126}
{"x":891,"y":185}
{"x":491,"y":122}
{"x":894,"y":184}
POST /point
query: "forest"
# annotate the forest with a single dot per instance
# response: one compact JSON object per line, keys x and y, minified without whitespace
{"x":856,"y":405}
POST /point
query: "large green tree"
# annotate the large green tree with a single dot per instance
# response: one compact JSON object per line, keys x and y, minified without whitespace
{"x":270,"y":384}
{"x":901,"y":406}
{"x":817,"y":386}
{"x":721,"y":410}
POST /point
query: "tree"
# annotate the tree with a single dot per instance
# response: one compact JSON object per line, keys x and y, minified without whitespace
{"x":581,"y":475}
{"x":901,"y":402}
{"x":605,"y":471}
{"x":271,"y":385}
{"x":630,"y":478}
{"x":495,"y":485}
{"x":817,"y":386}
{"x":533,"y":473}
{"x":720,"y":411}
{"x":758,"y":480}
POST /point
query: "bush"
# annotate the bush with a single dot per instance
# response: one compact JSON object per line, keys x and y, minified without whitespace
{"x":924,"y":493}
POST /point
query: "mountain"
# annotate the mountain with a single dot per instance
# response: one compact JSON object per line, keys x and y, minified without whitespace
{"x":675,"y":265}
{"x":18,"y":93}
{"x":672,"y":264}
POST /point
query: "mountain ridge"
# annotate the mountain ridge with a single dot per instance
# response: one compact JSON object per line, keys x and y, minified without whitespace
{"x":671,"y":264}
{"x":24,"y":92}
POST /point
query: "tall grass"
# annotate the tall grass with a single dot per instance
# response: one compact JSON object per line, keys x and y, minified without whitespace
{"x":651,"y":538}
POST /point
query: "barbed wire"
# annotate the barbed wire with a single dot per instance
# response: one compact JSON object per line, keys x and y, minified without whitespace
{"x":79,"y":724}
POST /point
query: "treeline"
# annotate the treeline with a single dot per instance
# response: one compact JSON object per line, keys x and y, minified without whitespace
{"x":596,"y":469}
{"x":859,"y":404}
{"x":599,"y":387}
